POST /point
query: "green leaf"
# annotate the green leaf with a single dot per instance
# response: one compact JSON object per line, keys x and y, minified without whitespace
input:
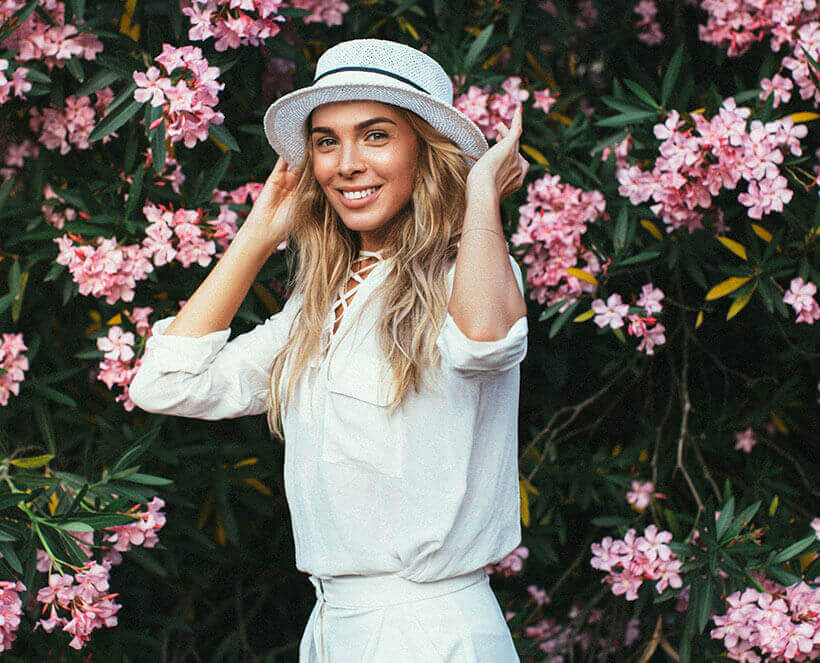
{"x":156,"y":137}
{"x":478,"y":46}
{"x":621,"y":228}
{"x":95,"y":520}
{"x":644,"y":256}
{"x":149,"y":480}
{"x":704,"y":607}
{"x":642,"y":94}
{"x":671,"y":76}
{"x":793,"y":550}
{"x":49,"y":393}
{"x":561,"y":320}
{"x":627,"y":118}
{"x":212,"y":179}
{"x":742,"y":520}
{"x":75,"y":68}
{"x":551,"y":310}
{"x":122,"y":109}
{"x":224,"y":136}
{"x":10,"y":555}
{"x":134,"y":191}
{"x":75,"y":526}
{"x":12,"y":499}
{"x":727,"y":514}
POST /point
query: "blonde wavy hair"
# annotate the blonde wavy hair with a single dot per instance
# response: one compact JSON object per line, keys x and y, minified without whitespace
{"x":423,"y":243}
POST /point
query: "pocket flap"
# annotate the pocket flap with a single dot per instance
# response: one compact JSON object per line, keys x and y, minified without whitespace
{"x":363,"y":377}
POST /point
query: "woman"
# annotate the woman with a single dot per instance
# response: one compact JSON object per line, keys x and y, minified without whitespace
{"x":392,"y":370}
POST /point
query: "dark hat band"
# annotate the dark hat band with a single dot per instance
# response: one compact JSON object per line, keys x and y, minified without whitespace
{"x":376,"y":71}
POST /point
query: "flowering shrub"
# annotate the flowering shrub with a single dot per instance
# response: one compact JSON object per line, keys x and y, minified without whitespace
{"x":668,"y":238}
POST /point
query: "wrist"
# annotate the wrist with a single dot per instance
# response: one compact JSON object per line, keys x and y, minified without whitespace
{"x":255,"y":241}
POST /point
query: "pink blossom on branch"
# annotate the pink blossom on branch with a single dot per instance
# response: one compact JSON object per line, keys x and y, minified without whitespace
{"x":511,"y":565}
{"x":14,"y":363}
{"x":188,"y":103}
{"x":631,"y":560}
{"x":745,"y":440}
{"x":800,"y":296}
{"x":610,"y":313}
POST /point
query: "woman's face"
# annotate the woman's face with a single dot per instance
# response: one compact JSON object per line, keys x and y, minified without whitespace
{"x":358,"y":145}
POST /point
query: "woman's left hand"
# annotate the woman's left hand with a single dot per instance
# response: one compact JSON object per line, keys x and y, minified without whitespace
{"x":501,"y":168}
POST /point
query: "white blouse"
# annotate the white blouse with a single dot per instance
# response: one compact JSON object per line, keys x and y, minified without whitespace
{"x":427,"y":493}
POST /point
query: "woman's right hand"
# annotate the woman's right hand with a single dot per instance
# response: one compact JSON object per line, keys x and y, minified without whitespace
{"x":271,"y":217}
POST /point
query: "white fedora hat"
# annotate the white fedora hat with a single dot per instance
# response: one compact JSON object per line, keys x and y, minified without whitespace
{"x":373,"y":70}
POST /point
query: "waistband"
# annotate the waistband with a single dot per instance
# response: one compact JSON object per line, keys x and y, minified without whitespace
{"x":373,"y":591}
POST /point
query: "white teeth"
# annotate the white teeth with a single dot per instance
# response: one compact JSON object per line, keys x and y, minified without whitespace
{"x":355,"y":195}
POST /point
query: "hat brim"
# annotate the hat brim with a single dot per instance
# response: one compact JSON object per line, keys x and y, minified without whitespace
{"x":284,"y":121}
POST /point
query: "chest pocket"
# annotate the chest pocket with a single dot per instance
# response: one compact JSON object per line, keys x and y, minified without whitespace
{"x":359,"y":430}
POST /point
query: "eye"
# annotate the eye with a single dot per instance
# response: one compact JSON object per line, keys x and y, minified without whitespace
{"x":377,"y":133}
{"x":320,"y":142}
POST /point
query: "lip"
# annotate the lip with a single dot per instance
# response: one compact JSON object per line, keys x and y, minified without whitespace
{"x":361,"y":202}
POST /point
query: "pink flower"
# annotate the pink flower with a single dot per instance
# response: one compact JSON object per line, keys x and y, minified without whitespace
{"x":815,"y":525}
{"x":650,"y":299}
{"x":745,"y":440}
{"x":543,"y":100}
{"x":641,"y":494}
{"x":652,"y":336}
{"x":611,"y":313}
{"x":800,"y":296}
{"x":778,"y":85}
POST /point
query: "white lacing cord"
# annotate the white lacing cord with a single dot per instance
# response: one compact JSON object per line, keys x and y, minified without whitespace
{"x":344,"y":296}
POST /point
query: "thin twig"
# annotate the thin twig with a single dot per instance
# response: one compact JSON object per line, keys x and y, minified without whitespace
{"x":684,"y":423}
{"x":653,"y":643}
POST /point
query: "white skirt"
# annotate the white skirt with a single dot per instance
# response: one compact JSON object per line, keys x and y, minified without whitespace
{"x":388,"y":619}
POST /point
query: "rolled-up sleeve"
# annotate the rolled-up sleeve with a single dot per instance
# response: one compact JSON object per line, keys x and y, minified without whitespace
{"x":470,"y":357}
{"x":209,"y":377}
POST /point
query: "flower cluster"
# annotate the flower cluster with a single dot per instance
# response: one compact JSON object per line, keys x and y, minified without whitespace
{"x":118,"y":366}
{"x":737,"y":24}
{"x":182,"y":228}
{"x":511,"y":564}
{"x":86,"y":603}
{"x":11,"y":608}
{"x":187,"y":90}
{"x":550,"y":225}
{"x":60,"y":128}
{"x":329,"y":12}
{"x":631,"y":560}
{"x":107,"y":270}
{"x":800,"y":296}
{"x":778,"y":624}
{"x":233,"y":23}
{"x":13,"y":364}
{"x":598,"y":641}
{"x":49,"y":41}
{"x":487,"y":109}
{"x":649,"y":30}
{"x":611,"y":313}
{"x":18,"y":82}
{"x":12,"y":155}
{"x":695,"y":163}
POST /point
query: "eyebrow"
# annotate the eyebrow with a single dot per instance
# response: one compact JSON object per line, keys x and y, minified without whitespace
{"x":358,"y":127}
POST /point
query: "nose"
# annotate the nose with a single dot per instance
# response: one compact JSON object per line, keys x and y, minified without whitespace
{"x":350,"y":160}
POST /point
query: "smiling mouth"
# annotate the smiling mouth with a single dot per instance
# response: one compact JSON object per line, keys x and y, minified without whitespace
{"x":359,"y":195}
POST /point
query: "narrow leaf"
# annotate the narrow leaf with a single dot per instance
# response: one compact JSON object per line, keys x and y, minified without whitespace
{"x":794,"y":549}
{"x":671,"y":76}
{"x":652,"y":229}
{"x":581,"y":274}
{"x":735,"y":247}
{"x":586,"y":315}
{"x":642,"y":94}
{"x":725,"y":287}
{"x":32,"y":461}
{"x":478,"y":46}
{"x":740,"y":302}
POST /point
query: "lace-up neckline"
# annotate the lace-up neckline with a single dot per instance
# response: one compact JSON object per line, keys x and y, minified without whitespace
{"x":357,"y":276}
